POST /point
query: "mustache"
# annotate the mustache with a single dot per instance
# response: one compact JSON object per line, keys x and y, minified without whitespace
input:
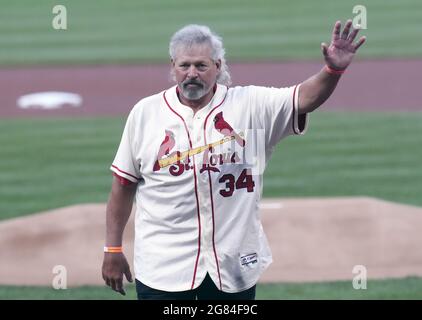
{"x":194,"y":82}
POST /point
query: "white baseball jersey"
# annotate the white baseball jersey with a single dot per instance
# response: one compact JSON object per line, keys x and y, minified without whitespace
{"x":200,"y":182}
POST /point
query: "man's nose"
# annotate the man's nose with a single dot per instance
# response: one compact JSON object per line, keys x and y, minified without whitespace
{"x":192,"y":72}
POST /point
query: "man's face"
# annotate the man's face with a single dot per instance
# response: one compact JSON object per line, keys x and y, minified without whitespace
{"x":195,"y":71}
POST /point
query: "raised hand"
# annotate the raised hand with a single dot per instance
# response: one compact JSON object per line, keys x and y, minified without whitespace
{"x":339,"y":54}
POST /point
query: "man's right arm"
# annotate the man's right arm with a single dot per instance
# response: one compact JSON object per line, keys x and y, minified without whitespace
{"x":118,"y":210}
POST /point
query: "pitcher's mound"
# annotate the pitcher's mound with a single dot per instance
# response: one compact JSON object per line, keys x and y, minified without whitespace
{"x":311,"y":239}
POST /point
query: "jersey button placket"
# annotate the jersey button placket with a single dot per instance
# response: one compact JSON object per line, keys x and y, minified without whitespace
{"x":204,"y":193}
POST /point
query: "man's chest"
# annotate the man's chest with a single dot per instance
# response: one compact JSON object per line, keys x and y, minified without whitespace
{"x":214,"y":140}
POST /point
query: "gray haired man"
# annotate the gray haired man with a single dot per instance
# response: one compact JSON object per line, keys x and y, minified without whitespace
{"x":184,"y":152}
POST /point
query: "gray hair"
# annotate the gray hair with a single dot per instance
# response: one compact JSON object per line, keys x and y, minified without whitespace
{"x":195,"y":34}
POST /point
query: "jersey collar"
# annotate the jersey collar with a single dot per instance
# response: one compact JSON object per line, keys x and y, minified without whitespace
{"x":185,"y":111}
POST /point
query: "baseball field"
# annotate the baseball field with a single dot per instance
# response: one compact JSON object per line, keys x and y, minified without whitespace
{"x":363,"y":145}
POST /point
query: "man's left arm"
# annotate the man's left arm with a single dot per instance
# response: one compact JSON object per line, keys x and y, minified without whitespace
{"x":338,"y":55}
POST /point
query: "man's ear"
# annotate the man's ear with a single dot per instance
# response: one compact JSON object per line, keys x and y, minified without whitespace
{"x":172,"y":63}
{"x":218,"y":64}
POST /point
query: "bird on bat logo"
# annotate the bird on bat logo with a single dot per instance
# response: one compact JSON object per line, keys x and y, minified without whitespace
{"x":165,"y":147}
{"x":224,"y":128}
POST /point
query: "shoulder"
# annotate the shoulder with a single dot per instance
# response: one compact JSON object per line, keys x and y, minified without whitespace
{"x":250,"y":95}
{"x":240,"y":90}
{"x":248,"y":91}
{"x":261,"y":93}
{"x":239,"y":94}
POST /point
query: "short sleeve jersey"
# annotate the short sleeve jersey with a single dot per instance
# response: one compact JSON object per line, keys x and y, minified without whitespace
{"x":200,"y":179}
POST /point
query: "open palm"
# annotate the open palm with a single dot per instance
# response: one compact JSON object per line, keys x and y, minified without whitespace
{"x":339,"y":54}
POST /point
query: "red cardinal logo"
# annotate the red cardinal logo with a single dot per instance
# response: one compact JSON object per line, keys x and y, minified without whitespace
{"x":224,"y":128}
{"x":165,"y":148}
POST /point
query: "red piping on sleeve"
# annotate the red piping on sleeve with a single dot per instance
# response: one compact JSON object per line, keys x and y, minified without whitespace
{"x":123,"y":181}
{"x":131,"y":175}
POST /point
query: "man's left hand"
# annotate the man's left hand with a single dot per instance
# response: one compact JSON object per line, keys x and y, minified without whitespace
{"x":339,"y":54}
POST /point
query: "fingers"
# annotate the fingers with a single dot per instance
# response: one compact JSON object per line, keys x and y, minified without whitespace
{"x":360,"y":42}
{"x":324,"y":49}
{"x":346,"y":29}
{"x":336,"y":31}
{"x":113,"y":284}
{"x":352,"y":35}
{"x":114,"y":266}
{"x":117,"y":285}
{"x":346,"y":34}
{"x":128,"y":274}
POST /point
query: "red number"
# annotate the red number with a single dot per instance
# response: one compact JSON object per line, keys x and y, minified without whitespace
{"x":244,"y":181}
{"x":229,"y":179}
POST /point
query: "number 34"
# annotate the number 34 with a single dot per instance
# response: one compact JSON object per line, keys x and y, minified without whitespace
{"x":244,"y":181}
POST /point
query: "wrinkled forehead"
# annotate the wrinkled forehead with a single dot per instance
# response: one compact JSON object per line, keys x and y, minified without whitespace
{"x":194,"y":51}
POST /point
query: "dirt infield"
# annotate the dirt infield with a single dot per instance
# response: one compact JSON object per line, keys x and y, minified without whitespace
{"x":113,"y":90}
{"x":311,"y":239}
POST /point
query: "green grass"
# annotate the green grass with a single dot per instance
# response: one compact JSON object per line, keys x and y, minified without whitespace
{"x":79,"y":293}
{"x":50,"y":163}
{"x":351,"y":154}
{"x":389,"y":289}
{"x":134,"y":31}
{"x":392,"y":289}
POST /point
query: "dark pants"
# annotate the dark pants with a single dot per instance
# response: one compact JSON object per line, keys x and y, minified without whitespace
{"x":206,"y":291}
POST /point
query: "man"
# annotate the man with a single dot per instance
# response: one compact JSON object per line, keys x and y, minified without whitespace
{"x":194,"y":155}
